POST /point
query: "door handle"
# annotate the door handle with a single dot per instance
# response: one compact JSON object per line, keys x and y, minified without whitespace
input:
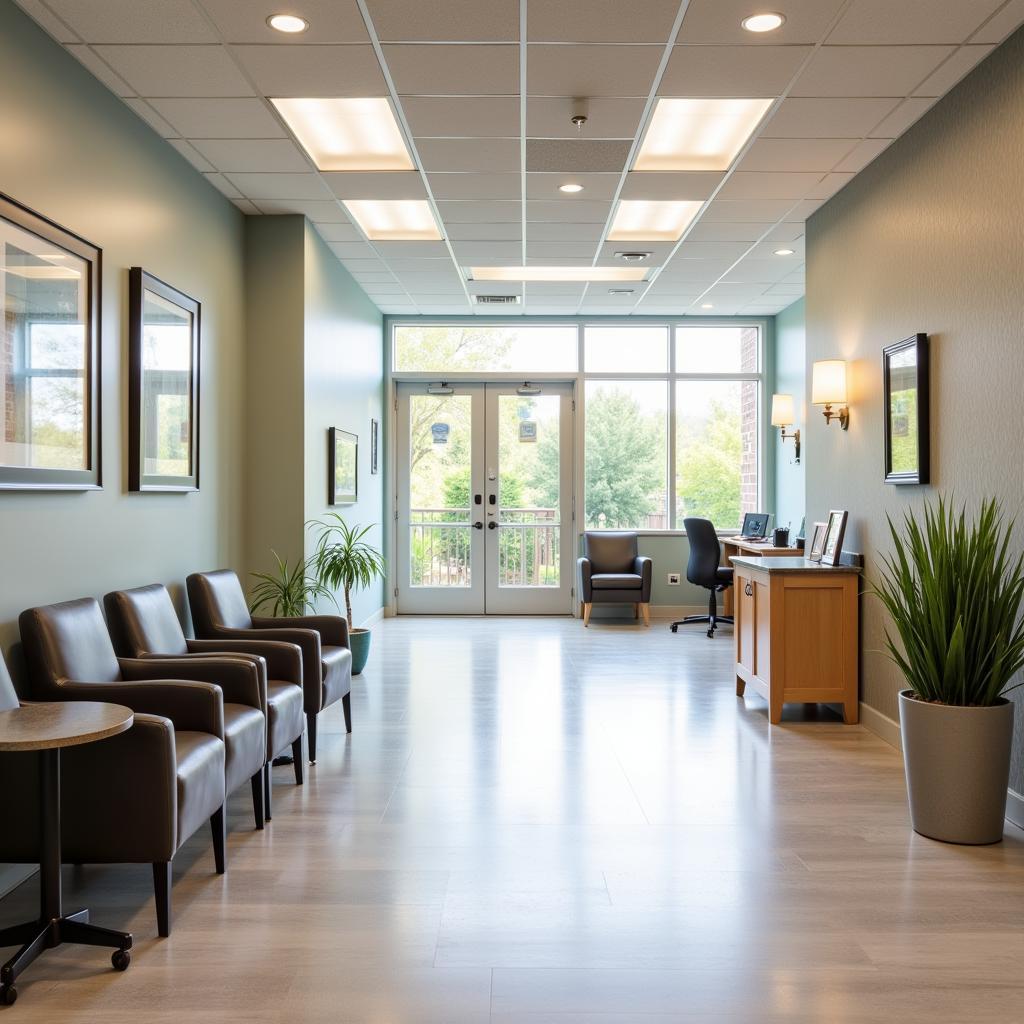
{"x":748,"y":590}
{"x":492,"y":525}
{"x":478,"y":526}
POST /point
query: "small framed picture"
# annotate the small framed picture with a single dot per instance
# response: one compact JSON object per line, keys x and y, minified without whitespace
{"x":817,"y":542}
{"x":343,"y":482}
{"x":373,"y":447}
{"x":905,"y":377}
{"x":834,"y":537}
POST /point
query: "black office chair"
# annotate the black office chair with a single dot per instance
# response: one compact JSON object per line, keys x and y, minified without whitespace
{"x":705,"y":570}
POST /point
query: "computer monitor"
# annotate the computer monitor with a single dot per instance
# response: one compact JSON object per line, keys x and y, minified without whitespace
{"x":755,"y":525}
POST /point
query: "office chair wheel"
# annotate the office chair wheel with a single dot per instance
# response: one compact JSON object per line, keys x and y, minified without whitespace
{"x":121,"y":959}
{"x":711,"y":634}
{"x":674,"y":628}
{"x":8,"y":995}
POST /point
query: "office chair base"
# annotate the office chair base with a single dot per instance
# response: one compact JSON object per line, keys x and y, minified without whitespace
{"x":713,"y":622}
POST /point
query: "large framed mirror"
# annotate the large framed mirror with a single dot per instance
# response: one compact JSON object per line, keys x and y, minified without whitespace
{"x":905,"y":375}
{"x":163,"y":386}
{"x":49,"y":354}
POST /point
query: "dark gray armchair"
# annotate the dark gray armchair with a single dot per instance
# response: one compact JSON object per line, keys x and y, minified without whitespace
{"x":611,"y":572}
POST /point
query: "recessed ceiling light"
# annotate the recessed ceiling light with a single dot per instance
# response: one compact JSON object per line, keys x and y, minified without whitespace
{"x":394,"y":220}
{"x":347,"y":134}
{"x":784,"y":252}
{"x":290,"y":23}
{"x":621,"y":291}
{"x":558,"y":273}
{"x":632,"y":257}
{"x":652,"y":220}
{"x":706,"y":305}
{"x":768,"y":22}
{"x":570,"y":186}
{"x":698,"y":134}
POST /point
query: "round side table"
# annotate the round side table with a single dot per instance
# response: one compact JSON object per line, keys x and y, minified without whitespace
{"x":45,"y":729}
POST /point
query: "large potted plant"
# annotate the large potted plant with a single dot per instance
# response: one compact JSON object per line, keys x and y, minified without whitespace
{"x":290,"y":590}
{"x":345,"y":561}
{"x":954,"y":590}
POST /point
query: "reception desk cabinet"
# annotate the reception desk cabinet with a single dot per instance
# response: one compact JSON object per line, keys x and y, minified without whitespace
{"x":795,"y":629}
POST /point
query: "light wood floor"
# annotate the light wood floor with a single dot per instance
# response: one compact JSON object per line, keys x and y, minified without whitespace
{"x":533,"y":822}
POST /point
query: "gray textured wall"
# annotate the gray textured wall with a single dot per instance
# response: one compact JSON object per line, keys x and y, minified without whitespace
{"x":930,"y":237}
{"x":790,"y":379}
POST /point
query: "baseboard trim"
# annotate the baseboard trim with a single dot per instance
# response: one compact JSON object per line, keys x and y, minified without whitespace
{"x":881,"y":725}
{"x":371,"y":619}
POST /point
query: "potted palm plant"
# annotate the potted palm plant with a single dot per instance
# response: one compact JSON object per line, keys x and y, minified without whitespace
{"x":290,"y":590}
{"x":953,"y":590}
{"x":345,"y":561}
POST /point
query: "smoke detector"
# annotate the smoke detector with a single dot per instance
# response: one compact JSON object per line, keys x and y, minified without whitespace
{"x":632,"y":257}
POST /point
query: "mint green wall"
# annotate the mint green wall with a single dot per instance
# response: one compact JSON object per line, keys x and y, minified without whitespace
{"x":790,"y":379}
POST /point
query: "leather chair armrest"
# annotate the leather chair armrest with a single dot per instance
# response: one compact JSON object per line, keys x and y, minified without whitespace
{"x":242,"y":678}
{"x":585,"y":569}
{"x":333,"y":629}
{"x":189,"y":705}
{"x":283,"y":661}
{"x":643,"y":566}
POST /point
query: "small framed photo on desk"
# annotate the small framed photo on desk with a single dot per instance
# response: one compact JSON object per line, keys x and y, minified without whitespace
{"x":817,"y":542}
{"x":833,"y":550}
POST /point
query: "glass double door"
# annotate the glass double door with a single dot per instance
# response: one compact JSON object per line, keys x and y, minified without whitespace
{"x":485,"y":499}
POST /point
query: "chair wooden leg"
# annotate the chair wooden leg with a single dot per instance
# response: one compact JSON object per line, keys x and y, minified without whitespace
{"x":311,"y":735}
{"x":346,"y":705}
{"x":162,"y":895}
{"x":586,"y":613}
{"x":258,"y":795}
{"x":646,"y":609}
{"x":268,"y":782}
{"x":218,"y":825}
{"x":297,"y":760}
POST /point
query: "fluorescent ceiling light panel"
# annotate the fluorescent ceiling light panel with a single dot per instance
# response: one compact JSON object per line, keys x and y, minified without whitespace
{"x":347,"y":134}
{"x":650,"y":220}
{"x":558,"y":273}
{"x":394,"y":220}
{"x":698,"y":134}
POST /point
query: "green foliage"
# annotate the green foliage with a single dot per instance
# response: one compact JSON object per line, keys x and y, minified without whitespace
{"x":343,"y":559}
{"x":456,"y":490}
{"x":291,"y":590}
{"x":954,"y":593}
{"x":708,"y":479}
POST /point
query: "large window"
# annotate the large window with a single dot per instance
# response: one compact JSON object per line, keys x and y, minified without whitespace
{"x":488,"y":348}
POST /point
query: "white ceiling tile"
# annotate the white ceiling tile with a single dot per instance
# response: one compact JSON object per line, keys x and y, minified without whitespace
{"x":542,"y":185}
{"x":338,"y":232}
{"x":746,"y":71}
{"x":247,"y":207}
{"x":693,"y":270}
{"x":804,"y":209}
{"x":787,"y":231}
{"x":358,"y":251}
{"x":392,"y":251}
{"x":862,"y":155}
{"x":696,"y":250}
{"x":670,"y":184}
{"x":591,"y":70}
{"x":304,"y":70}
{"x":252,"y":154}
{"x":280,"y":186}
{"x":552,"y":290}
{"x":577,"y":156}
{"x":492,"y":251}
{"x":796,"y":154}
{"x":462,"y":116}
{"x":719,"y":21}
{"x":438,"y":70}
{"x":469,"y":154}
{"x":963,"y":61}
{"x":363,"y":264}
{"x":769,"y":185}
{"x":537,"y":231}
{"x":600,"y":21}
{"x":476,"y":212}
{"x":371,"y":277}
{"x":219,"y":118}
{"x":582,"y":251}
{"x":608,"y":117}
{"x":786,"y":290}
{"x":1007,"y":20}
{"x":330,"y":21}
{"x":398,"y":308}
{"x":746,"y":210}
{"x":135,"y":21}
{"x":153,"y":119}
{"x":101,"y":70}
{"x":219,"y":182}
{"x":911,"y":21}
{"x":484,"y":232}
{"x":581,"y":211}
{"x":909,"y":111}
{"x":176,"y":70}
{"x":829,"y":186}
{"x":868,"y":70}
{"x":713,"y":231}
{"x":766,"y":251}
{"x":375,"y":184}
{"x":40,"y":13}
{"x":495,"y":287}
{"x":475,"y":186}
{"x":322,"y":212}
{"x":452,"y":21}
{"x":761,"y":271}
{"x":197,"y":160}
{"x":834,"y":118}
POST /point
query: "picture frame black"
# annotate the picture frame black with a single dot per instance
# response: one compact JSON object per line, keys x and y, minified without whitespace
{"x":72,"y":248}
{"x":342,"y":467}
{"x":832,"y":547}
{"x":907,"y":413}
{"x":374,"y":431}
{"x":148,"y":384}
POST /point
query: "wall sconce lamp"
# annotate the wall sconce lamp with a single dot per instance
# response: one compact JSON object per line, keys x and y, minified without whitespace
{"x":782,"y":416}
{"x":828,"y":388}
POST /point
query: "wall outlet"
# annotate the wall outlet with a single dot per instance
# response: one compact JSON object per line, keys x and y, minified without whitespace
{"x":673,"y":579}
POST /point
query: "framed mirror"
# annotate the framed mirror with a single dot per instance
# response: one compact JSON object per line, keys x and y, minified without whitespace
{"x":49,"y":354}
{"x":163,"y":386}
{"x":905,"y":376}
{"x":342,"y":467}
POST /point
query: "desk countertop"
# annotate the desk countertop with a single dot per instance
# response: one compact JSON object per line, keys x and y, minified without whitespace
{"x":772,"y":564}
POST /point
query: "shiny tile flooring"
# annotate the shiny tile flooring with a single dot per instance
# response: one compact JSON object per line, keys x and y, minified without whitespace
{"x":537,"y":823}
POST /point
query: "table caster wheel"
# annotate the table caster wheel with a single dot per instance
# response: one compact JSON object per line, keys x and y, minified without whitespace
{"x":121,"y":959}
{"x":675,"y":629}
{"x":8,"y":995}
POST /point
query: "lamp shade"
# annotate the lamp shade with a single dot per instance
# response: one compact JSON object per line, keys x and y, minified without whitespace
{"x":828,"y":382}
{"x":782,"y":410}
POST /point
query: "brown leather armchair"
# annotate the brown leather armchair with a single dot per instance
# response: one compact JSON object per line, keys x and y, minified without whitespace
{"x":164,"y":777}
{"x":612,"y":572}
{"x":144,"y":624}
{"x":219,"y":612}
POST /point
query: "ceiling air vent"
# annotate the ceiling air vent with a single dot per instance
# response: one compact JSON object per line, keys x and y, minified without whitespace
{"x":497,"y":300}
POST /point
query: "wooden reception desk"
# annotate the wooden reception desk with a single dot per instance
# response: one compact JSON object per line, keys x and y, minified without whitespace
{"x":795,"y":630}
{"x":733,"y":546}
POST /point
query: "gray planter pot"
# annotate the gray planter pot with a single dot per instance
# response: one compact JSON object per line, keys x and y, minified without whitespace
{"x":958,"y":768}
{"x":359,"y":644}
